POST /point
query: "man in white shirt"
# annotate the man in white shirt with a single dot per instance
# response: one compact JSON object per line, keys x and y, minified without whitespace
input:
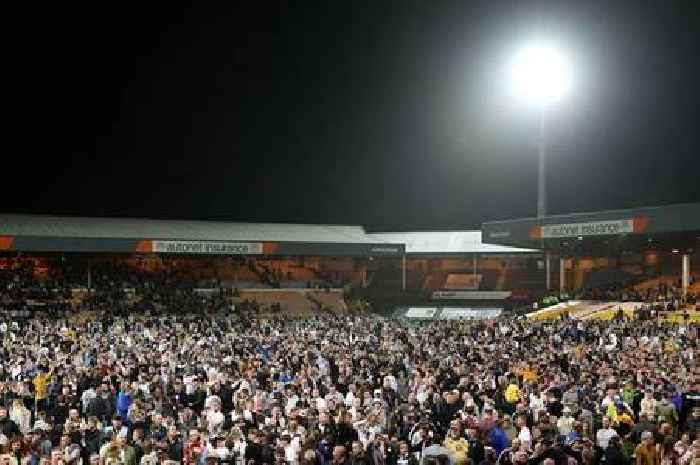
{"x":189,"y":384}
{"x":524,"y":434}
{"x":604,"y":434}
{"x":318,"y":400}
{"x":350,"y":396}
{"x":536,"y":405}
{"x":565,"y":423}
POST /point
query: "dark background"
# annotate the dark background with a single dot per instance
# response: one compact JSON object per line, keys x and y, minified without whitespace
{"x":393,"y":115}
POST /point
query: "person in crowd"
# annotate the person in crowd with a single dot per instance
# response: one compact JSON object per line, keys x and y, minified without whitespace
{"x":457,"y":444}
{"x":605,"y":433}
{"x":646,"y":453}
{"x":615,"y":454}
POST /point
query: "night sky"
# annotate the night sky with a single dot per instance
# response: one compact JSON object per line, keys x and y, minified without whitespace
{"x":393,"y":115}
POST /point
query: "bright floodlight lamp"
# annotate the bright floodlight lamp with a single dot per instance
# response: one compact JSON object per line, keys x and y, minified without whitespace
{"x":541,"y":75}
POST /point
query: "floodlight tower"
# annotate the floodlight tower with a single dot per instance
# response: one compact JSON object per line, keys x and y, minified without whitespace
{"x":541,"y":76}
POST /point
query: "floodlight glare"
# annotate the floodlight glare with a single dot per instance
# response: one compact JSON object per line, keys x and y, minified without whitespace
{"x":540,"y":74}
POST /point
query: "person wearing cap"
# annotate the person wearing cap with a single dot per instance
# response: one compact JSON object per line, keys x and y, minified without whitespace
{"x":40,"y":443}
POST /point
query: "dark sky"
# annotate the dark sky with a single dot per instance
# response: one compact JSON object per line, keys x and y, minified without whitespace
{"x":393,"y":115}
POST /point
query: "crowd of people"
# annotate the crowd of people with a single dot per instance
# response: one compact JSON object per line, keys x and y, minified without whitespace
{"x":200,"y":386}
{"x":668,"y":292}
{"x":213,"y":390}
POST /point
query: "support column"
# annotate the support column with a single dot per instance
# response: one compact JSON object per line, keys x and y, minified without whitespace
{"x":403,"y":273}
{"x":474,"y":264}
{"x":89,"y":277}
{"x":562,"y":276}
{"x":364,"y":273}
{"x":686,"y":273}
{"x":548,"y":276}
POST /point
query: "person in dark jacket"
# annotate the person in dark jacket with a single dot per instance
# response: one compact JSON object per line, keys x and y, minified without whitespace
{"x":692,"y":424}
{"x":358,"y":455}
{"x":7,"y":427}
{"x":60,"y":409}
{"x":259,"y":451}
{"x":91,"y":439}
{"x":380,"y":452}
{"x":405,"y":457}
{"x":345,"y":433}
{"x":615,"y":454}
{"x":102,"y":406}
{"x":690,"y":401}
{"x":476,"y":446}
{"x":173,"y":445}
{"x":324,"y":450}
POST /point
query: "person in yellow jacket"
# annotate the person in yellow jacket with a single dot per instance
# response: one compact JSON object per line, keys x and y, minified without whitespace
{"x":41,"y":381}
{"x":529,"y":375}
{"x":456,"y":444}
{"x":512,"y":394}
